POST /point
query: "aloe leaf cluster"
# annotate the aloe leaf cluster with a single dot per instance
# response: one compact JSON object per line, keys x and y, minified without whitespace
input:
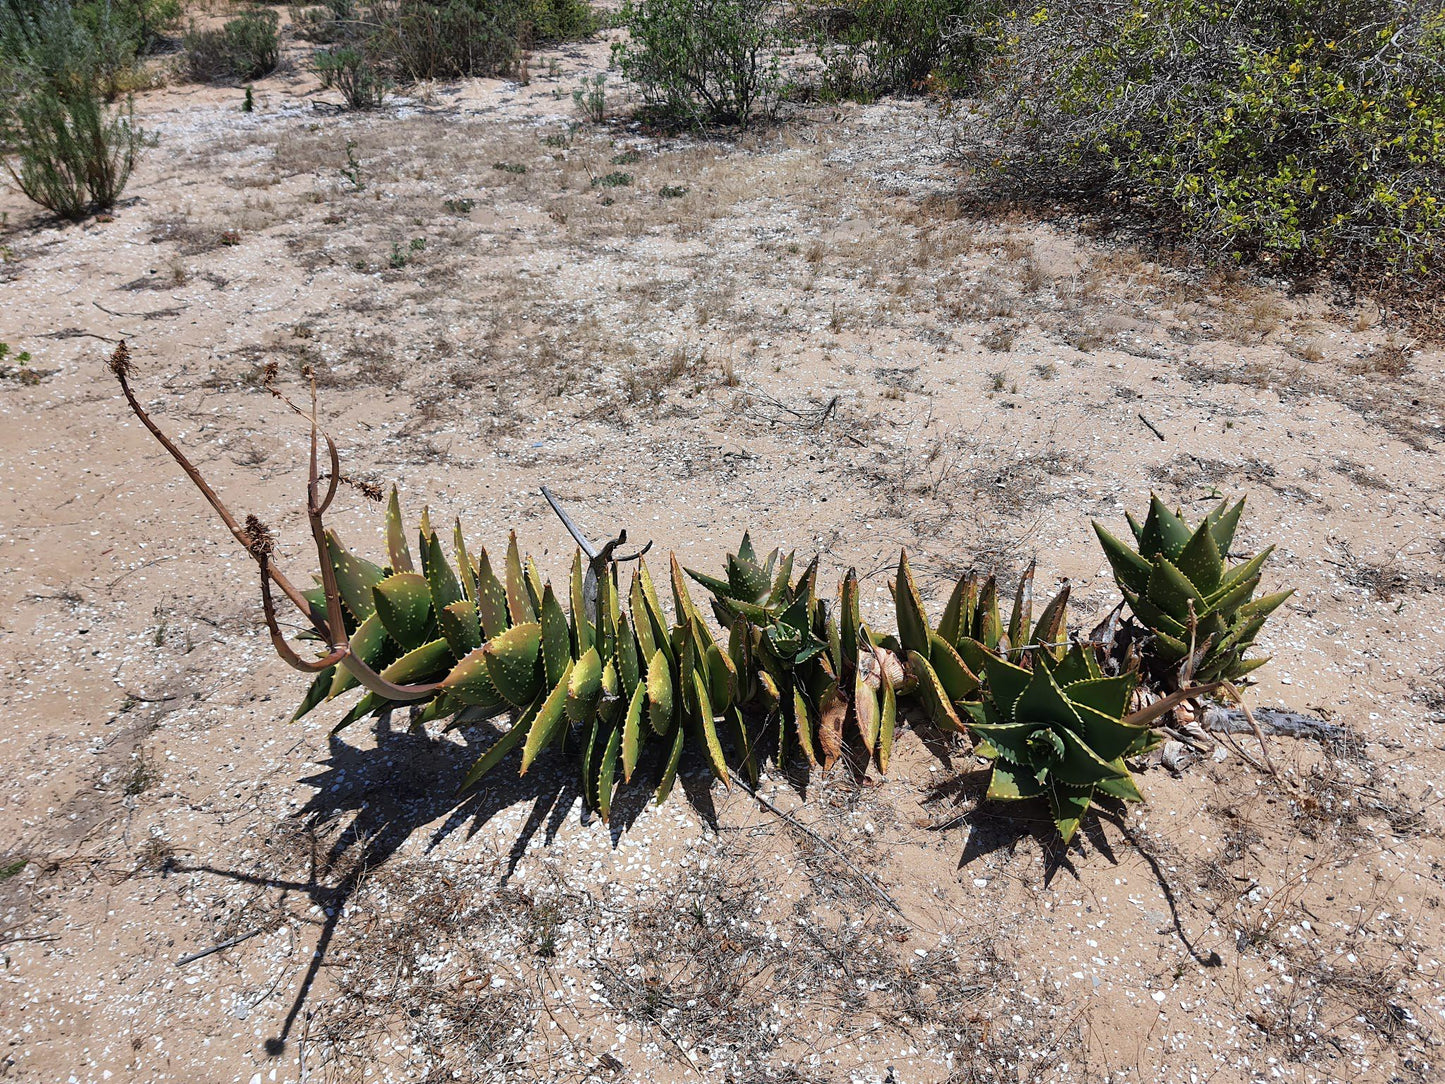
{"x":947,"y":662}
{"x":1059,"y":732}
{"x":1180,"y":585}
{"x":812,"y":671}
{"x":605,"y":674}
{"x":610,"y":673}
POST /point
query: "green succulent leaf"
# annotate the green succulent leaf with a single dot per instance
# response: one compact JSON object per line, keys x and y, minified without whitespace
{"x":513,"y":662}
{"x":606,"y":773}
{"x":403,"y":601}
{"x":913,"y":631}
{"x":1068,"y":805}
{"x":556,"y":637}
{"x":519,"y":599}
{"x":1130,"y":569}
{"x":958,"y":681}
{"x":355,"y":577}
{"x":585,"y":688}
{"x":471,"y":683}
{"x":1007,"y":783}
{"x":500,"y":748}
{"x":428,"y":660}
{"x":669,"y":771}
{"x":400,"y":556}
{"x":1164,"y":534}
{"x":548,"y":721}
{"x":1200,"y":561}
{"x":887,"y":723}
{"x":1006,"y":683}
{"x":491,"y":599}
{"x":368,"y":644}
{"x":659,"y":693}
{"x":709,"y":729}
{"x":931,"y":692}
{"x":632,"y":731}
{"x":461,"y":628}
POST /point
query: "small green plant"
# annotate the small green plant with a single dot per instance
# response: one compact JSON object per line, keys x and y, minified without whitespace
{"x":672,"y":191}
{"x":69,"y":152}
{"x":562,"y":139}
{"x":13,"y":868}
{"x":352,"y":170}
{"x":248,"y":104}
{"x":615,"y":179}
{"x":510,"y":167}
{"x":591,"y":99}
{"x":459,"y":205}
{"x":399,"y":257}
{"x":1059,"y":731}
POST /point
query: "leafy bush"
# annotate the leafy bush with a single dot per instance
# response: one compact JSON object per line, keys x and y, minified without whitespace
{"x":425,"y":39}
{"x":98,"y":43}
{"x":71,"y":154}
{"x":410,"y":40}
{"x":62,"y":146}
{"x":874,"y":46}
{"x":703,"y":61}
{"x":350,"y":71}
{"x":1295,"y":132}
{"x":246,"y":47}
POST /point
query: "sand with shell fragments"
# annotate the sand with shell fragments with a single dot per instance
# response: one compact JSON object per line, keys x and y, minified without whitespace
{"x":802,"y":333}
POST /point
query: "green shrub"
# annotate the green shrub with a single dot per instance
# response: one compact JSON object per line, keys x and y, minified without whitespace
{"x":880,"y":46}
{"x":71,"y":154}
{"x":62,"y":45}
{"x":352,"y":72}
{"x":246,"y":47}
{"x":1296,"y":132}
{"x":703,"y":61}
{"x":424,"y":39}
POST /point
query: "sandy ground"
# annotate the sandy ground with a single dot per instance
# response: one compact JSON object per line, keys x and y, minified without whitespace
{"x":801,"y":333}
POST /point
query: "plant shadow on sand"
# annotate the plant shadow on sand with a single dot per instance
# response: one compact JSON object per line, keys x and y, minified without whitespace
{"x":990,"y":830}
{"x":407,"y":781}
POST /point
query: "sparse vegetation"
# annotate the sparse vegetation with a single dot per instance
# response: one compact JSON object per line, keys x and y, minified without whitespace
{"x":591,"y":98}
{"x":70,"y":153}
{"x":352,"y":72}
{"x":62,"y":145}
{"x":871,"y":47}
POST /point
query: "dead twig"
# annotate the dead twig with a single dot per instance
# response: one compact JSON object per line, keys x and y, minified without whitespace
{"x":193,"y":957}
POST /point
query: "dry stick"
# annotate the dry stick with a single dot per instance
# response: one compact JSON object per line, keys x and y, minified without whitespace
{"x":874,"y":885}
{"x":1152,"y":427}
{"x":193,"y":957}
{"x":1249,"y":717}
{"x":254,"y":543}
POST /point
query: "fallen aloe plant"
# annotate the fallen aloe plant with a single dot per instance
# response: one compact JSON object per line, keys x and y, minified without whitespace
{"x":441,"y":627}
